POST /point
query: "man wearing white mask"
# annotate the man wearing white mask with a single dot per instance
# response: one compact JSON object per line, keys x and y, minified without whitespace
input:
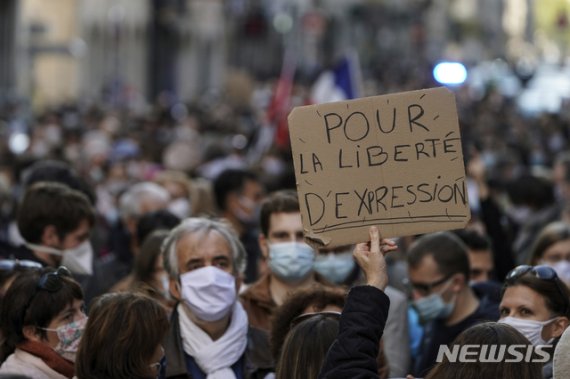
{"x":289,"y":259}
{"x":209,"y":335}
{"x":439,"y":278}
{"x":55,"y":222}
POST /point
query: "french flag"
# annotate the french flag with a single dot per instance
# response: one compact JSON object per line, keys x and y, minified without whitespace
{"x":342,"y":82}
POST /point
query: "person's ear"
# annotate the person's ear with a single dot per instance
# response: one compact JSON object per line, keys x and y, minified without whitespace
{"x":263,"y":246}
{"x":50,"y":236}
{"x":458,"y":282}
{"x":31,"y":333}
{"x":559,"y":326}
{"x":174,"y":289}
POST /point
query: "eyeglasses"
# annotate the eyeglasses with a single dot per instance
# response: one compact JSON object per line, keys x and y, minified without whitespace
{"x":539,"y":272}
{"x":16,"y":264}
{"x":327,"y":314}
{"x":426,"y":288}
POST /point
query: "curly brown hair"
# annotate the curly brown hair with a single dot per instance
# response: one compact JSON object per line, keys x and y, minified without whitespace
{"x":317,"y":296}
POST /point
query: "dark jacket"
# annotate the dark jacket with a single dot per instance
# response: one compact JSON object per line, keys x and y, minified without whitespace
{"x":355,"y":350}
{"x":257,"y":356}
{"x":107,"y":271}
{"x":437,"y":333}
{"x":494,"y":220}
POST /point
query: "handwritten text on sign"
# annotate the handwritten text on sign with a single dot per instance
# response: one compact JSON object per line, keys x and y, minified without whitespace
{"x":394,"y":161}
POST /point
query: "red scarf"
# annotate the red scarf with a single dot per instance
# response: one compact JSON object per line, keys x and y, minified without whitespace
{"x":55,"y":361}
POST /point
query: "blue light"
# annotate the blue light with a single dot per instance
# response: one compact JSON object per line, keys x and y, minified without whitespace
{"x":450,"y":73}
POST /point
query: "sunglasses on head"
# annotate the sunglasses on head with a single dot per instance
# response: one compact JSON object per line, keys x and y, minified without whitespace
{"x":16,"y":264}
{"x":306,"y":316}
{"x":540,"y":272}
{"x":52,"y":281}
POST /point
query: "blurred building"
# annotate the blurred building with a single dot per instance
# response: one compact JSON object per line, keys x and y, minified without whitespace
{"x":7,"y":48}
{"x":128,"y":52}
{"x":114,"y":61}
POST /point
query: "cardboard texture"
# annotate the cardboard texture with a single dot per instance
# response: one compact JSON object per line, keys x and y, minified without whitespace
{"x":394,"y":161}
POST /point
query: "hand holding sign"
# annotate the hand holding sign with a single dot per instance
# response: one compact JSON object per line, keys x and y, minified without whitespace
{"x":370,"y":258}
{"x":394,"y":161}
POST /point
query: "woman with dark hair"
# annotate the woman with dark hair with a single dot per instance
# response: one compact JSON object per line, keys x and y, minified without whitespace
{"x":493,"y":334}
{"x":122,"y":339}
{"x":148,"y":275}
{"x":552,"y":248}
{"x":306,"y":345}
{"x":302,"y":304}
{"x":9,"y":271}
{"x":536,"y":303}
{"x":354,"y":352}
{"x":42,"y":320}
{"x":317,"y":298}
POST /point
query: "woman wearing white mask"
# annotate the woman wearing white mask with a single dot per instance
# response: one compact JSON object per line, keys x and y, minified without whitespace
{"x":552,"y":248}
{"x":536,"y":303}
{"x":43,"y":320}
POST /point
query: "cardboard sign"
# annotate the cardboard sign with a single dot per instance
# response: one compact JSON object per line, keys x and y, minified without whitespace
{"x":394,"y":161}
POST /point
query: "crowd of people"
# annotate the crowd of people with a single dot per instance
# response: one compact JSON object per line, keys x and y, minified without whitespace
{"x":171,"y":245}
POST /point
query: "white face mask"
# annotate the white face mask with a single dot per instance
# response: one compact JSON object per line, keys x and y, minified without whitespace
{"x":248,"y":212}
{"x":520,"y":214}
{"x":78,"y":260}
{"x":180,"y":207}
{"x":531,"y":329}
{"x":209,"y":292}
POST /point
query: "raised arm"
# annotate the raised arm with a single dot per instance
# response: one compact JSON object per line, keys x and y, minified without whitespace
{"x":354,"y":353}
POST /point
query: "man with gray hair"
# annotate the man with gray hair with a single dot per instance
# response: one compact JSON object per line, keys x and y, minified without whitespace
{"x":140,"y":199}
{"x":209,"y":335}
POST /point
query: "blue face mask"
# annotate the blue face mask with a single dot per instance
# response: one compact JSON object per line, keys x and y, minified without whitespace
{"x":291,"y":261}
{"x":335,"y":267}
{"x":433,"y":307}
